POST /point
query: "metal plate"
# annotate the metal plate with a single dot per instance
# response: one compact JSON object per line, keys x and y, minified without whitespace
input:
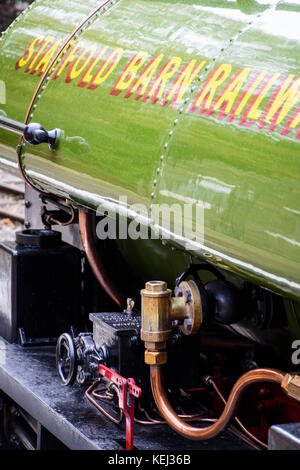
{"x":29,"y":377}
{"x":284,"y":437}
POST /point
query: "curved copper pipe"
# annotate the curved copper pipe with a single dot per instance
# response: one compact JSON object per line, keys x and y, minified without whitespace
{"x":87,"y":238}
{"x":166,"y":410}
{"x":245,"y":430}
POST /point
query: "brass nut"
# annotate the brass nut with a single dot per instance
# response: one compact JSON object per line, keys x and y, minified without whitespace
{"x":156,"y":286}
{"x":155,"y":357}
{"x":291,"y":386}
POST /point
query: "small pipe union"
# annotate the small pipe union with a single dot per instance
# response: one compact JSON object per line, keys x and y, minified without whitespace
{"x":291,"y":385}
{"x":155,"y":357}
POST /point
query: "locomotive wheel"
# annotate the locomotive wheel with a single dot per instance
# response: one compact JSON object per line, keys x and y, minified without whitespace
{"x":66,"y":363}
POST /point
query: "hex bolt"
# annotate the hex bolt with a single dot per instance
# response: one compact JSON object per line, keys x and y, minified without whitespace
{"x":15,"y":440}
{"x":133,"y":340}
{"x":187,"y":296}
{"x":14,"y":411}
{"x":188,"y":324}
{"x":178,"y":291}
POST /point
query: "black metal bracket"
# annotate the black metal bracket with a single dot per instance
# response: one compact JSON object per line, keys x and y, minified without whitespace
{"x":33,"y":133}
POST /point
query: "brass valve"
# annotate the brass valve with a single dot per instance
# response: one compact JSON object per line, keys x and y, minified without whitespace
{"x":158,"y":311}
{"x":156,"y":321}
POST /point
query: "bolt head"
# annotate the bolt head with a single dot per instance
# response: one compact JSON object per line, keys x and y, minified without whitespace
{"x":178,"y":291}
{"x":153,"y":358}
{"x":187,"y":296}
{"x":156,"y":286}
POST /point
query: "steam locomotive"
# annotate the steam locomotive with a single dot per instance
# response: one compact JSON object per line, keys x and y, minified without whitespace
{"x":152,"y":300}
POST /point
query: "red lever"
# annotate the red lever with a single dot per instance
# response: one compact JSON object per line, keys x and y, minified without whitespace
{"x":128,"y":391}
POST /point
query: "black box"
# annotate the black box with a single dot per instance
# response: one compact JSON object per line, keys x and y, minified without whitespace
{"x":40,"y":287}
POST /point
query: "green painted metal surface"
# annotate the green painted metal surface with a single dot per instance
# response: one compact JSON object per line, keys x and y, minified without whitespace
{"x":228,"y":143}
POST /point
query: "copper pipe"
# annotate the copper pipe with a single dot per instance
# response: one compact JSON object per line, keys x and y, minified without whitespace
{"x":94,"y":402}
{"x":167,"y":412}
{"x":92,"y":254}
{"x":243,"y":437}
{"x":249,"y":434}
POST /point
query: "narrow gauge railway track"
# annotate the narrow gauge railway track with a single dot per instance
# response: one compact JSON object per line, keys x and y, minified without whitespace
{"x":11,"y":190}
{"x":11,"y":200}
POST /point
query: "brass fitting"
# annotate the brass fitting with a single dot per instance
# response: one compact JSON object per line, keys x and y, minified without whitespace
{"x":155,"y":358}
{"x":156,"y":314}
{"x":156,"y":321}
{"x":291,"y":385}
{"x":158,"y":311}
{"x":189,"y":312}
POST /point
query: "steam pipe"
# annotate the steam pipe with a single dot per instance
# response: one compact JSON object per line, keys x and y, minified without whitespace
{"x":191,"y":432}
{"x":94,"y":258}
